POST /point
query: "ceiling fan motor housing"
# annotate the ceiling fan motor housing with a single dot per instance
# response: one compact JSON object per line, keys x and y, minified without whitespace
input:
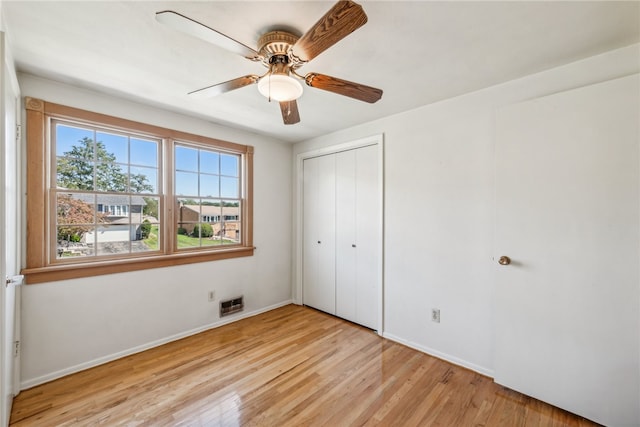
{"x":275,"y":49}
{"x":275,"y":46}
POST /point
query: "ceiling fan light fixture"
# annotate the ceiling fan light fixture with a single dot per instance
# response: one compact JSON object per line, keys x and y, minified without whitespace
{"x":280,"y":87}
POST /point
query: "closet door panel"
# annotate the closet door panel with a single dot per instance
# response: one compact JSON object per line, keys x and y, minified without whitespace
{"x":319,"y":233}
{"x":310,"y":230}
{"x":346,"y":248}
{"x":367,"y":230}
{"x":327,"y":237}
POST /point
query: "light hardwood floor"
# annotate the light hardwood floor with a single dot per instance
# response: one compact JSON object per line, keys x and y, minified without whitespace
{"x":293,"y":366}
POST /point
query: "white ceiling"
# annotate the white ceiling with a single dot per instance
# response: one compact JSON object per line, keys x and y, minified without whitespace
{"x":418,"y":52}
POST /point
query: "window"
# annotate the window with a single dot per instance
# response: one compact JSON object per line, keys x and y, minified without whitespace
{"x":115,"y":172}
{"x":117,"y":210}
{"x":207,"y":187}
{"x":109,"y":195}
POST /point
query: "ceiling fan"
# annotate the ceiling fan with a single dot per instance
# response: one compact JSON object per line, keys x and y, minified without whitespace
{"x":283,"y":54}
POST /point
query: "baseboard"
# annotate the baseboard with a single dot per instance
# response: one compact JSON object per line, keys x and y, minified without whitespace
{"x":111,"y":357}
{"x":440,"y":355}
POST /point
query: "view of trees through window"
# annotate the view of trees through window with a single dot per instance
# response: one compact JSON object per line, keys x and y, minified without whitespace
{"x":108,"y":194}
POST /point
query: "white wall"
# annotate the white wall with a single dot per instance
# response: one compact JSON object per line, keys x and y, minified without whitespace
{"x":73,"y":324}
{"x":439,"y":209}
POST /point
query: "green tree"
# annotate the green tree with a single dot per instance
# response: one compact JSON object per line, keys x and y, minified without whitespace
{"x":76,"y":170}
{"x":151,"y":207}
{"x":145,"y":229}
{"x":202,"y":230}
{"x":138,"y":183}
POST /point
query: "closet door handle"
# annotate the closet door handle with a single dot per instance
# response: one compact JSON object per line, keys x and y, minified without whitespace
{"x":353,"y":245}
{"x":319,"y":242}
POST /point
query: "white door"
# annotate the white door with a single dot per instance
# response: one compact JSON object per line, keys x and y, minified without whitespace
{"x":318,"y":275}
{"x":9,"y":228}
{"x":357,"y":235}
{"x":567,"y":182}
{"x":368,"y":236}
{"x":346,"y":249}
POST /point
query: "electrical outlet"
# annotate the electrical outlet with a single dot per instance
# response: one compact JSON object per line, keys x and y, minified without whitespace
{"x":435,"y":315}
{"x":212,"y":296}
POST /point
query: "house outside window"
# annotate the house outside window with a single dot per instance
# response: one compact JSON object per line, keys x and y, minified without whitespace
{"x":122,"y":195}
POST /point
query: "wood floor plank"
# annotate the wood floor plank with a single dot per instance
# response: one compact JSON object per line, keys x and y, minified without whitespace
{"x":288,"y":367}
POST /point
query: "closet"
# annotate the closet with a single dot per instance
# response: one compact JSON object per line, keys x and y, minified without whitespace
{"x":341,"y":240}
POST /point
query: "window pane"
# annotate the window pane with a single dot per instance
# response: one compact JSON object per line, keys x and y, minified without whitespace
{"x":74,"y":142}
{"x":114,"y":145}
{"x":143,"y":180}
{"x":74,"y":210}
{"x":75,"y":219}
{"x":211,"y":212}
{"x":144,"y":152}
{"x":188,"y":210}
{"x":74,"y":173}
{"x":186,"y":184}
{"x":186,"y":159}
{"x":70,"y":247}
{"x":185,"y":237}
{"x":209,"y":162}
{"x":209,"y":186}
{"x":110,"y":176}
{"x":150,"y":209}
{"x":113,"y":239}
{"x":112,"y":208}
{"x":147,"y":236}
{"x":229,"y":187}
{"x":113,"y":223}
{"x":229,"y":165}
{"x":188,"y":232}
{"x":230,"y":225}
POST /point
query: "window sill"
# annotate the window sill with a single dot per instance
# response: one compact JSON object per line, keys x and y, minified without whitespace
{"x":54,"y":273}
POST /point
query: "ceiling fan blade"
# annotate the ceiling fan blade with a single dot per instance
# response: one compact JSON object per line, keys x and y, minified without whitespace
{"x":227,"y":86}
{"x":341,"y":20}
{"x":343,"y":87}
{"x":194,"y":28}
{"x":290,"y":114}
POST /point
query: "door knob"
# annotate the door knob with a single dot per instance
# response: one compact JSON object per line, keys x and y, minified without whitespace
{"x":504,"y":260}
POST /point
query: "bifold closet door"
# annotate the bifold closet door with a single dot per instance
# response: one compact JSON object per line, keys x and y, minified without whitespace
{"x":319,"y":287}
{"x":357,"y":235}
